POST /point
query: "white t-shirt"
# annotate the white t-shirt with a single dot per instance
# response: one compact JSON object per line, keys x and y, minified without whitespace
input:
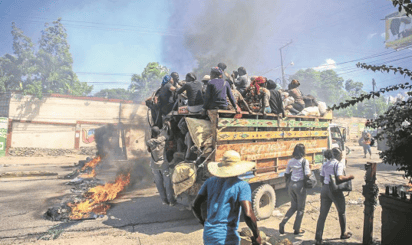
{"x":328,"y":169}
{"x":295,"y":165}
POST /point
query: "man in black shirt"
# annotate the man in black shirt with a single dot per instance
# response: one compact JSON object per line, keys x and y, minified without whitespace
{"x":275,"y":102}
{"x":193,"y":90}
{"x":166,"y":101}
{"x":217,"y":91}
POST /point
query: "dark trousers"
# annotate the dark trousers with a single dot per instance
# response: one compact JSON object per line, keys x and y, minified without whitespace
{"x":326,"y":199}
{"x":297,"y":193}
{"x":366,"y":149}
{"x":164,"y":184}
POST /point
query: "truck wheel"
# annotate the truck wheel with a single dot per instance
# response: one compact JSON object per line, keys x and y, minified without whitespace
{"x":263,"y":201}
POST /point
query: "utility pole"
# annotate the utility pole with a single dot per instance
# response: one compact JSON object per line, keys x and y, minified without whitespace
{"x":281,"y":63}
{"x":374,"y":102}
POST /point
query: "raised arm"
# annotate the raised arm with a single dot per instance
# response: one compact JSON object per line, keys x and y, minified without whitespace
{"x":182,"y":89}
{"x":230,"y":95}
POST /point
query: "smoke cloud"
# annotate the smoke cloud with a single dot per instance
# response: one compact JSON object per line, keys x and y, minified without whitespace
{"x":233,"y":32}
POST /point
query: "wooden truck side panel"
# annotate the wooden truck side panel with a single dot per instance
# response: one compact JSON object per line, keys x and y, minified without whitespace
{"x":270,"y":143}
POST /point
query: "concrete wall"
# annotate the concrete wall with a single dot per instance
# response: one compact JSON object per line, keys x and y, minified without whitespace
{"x":61,"y":121}
{"x":70,"y":110}
{"x":43,"y":136}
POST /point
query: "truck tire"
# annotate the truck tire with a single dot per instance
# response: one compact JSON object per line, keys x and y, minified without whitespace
{"x":263,"y":201}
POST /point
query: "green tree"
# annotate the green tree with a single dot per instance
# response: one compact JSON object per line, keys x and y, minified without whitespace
{"x":144,"y":84}
{"x":115,"y":93}
{"x":328,"y":87}
{"x":54,"y":65}
{"x":50,"y":70}
{"x":17,"y":68}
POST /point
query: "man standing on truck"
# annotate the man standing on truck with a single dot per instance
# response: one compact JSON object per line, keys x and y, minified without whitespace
{"x":216,"y":92}
{"x":225,"y":194}
{"x":193,"y":90}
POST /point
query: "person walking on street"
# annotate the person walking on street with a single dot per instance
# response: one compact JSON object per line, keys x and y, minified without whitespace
{"x":365,"y":141}
{"x":160,"y":167}
{"x":296,"y":188}
{"x":225,"y":194}
{"x":328,"y":196}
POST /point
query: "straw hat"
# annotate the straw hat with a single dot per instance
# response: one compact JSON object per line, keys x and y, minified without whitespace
{"x":230,"y":166}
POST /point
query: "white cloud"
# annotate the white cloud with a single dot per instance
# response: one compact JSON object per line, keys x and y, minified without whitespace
{"x":372,"y":35}
{"x":329,"y":65}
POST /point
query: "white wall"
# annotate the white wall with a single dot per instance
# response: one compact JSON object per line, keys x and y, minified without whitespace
{"x":43,"y":136}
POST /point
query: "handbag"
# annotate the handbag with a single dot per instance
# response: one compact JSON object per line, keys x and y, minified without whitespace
{"x":308,"y":182}
{"x":287,"y":178}
{"x":335,"y":185}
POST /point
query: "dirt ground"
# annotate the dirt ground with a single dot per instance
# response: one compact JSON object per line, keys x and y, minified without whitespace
{"x":138,"y":217}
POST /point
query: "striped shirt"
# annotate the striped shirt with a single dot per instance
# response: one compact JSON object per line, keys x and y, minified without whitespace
{"x":295,"y":165}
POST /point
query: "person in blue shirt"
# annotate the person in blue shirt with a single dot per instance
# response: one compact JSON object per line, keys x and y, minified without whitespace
{"x":225,"y":195}
{"x":217,"y":91}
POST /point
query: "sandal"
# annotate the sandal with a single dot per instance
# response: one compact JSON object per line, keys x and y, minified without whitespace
{"x":299,"y":232}
{"x":346,"y":235}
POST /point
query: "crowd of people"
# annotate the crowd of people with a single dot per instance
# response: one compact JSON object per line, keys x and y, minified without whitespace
{"x":238,"y":91}
{"x":224,"y":193}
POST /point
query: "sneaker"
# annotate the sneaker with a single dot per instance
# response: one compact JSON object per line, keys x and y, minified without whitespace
{"x":281,"y":229}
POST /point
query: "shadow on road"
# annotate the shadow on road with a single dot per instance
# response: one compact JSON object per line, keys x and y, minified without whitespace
{"x":139,"y":215}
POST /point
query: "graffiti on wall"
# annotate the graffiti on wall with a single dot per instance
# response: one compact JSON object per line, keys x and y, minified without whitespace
{"x":88,"y":135}
{"x":3,"y":135}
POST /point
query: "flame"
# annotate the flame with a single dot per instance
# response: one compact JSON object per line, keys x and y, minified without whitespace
{"x":90,"y":175}
{"x":92,"y":164}
{"x":96,"y":196}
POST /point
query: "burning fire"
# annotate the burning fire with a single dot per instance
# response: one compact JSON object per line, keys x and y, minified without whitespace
{"x":92,"y":164}
{"x":90,"y":175}
{"x":97,"y":196}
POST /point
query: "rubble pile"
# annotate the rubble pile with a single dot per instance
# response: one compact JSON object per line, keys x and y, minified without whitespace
{"x":38,"y":152}
{"x":88,"y":151}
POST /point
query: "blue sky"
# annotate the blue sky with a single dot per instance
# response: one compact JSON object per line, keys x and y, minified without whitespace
{"x":121,"y":37}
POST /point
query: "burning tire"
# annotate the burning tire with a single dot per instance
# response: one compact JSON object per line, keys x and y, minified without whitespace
{"x":263,"y":201}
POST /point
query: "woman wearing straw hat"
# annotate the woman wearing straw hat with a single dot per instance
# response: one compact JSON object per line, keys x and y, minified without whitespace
{"x":225,"y":194}
{"x":296,"y":188}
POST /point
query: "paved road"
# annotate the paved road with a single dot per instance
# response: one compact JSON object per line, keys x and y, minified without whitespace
{"x":139,"y":214}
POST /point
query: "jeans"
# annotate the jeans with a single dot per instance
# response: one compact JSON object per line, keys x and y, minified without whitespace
{"x":297,"y":193}
{"x":366,"y":149}
{"x":164,"y":184}
{"x":326,"y":198}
